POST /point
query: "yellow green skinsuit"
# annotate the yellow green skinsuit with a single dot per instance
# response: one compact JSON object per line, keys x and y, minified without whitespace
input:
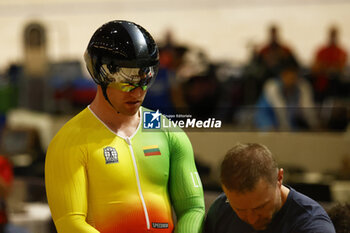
{"x":97,"y":181}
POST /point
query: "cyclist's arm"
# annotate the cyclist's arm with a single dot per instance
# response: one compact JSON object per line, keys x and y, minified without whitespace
{"x":66,"y":187}
{"x":185,"y":186}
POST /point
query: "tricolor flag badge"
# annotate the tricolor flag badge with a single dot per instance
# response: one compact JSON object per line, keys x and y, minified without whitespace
{"x":151,"y":150}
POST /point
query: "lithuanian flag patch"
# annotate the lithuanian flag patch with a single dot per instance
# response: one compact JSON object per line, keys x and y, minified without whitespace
{"x":151,"y":150}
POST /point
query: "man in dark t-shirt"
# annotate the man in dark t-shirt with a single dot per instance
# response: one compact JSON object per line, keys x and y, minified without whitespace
{"x":256,"y":201}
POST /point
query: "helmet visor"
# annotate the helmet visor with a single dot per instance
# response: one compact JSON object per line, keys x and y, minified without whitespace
{"x":128,"y":79}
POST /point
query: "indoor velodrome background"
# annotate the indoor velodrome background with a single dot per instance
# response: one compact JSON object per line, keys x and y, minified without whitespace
{"x":227,"y":32}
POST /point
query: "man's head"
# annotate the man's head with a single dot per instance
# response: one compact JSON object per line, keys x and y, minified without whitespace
{"x":122,"y":57}
{"x":333,"y":35}
{"x":289,"y":73}
{"x":252,"y":183}
{"x":273,"y":34}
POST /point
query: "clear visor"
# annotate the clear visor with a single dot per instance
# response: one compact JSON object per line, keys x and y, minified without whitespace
{"x":127,"y":79}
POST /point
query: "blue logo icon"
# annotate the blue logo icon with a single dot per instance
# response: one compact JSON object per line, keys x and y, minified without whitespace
{"x":151,"y":120}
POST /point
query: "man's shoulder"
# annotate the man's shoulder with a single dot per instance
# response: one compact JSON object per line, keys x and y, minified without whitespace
{"x":308,"y":215}
{"x":220,"y":206}
{"x":305,"y":202}
{"x":221,"y":198}
{"x":222,"y":219}
{"x":324,"y":52}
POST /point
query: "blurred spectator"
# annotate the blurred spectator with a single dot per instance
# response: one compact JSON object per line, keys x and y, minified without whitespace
{"x":184,"y":83}
{"x":8,"y":94}
{"x":273,"y":54}
{"x":344,"y":171}
{"x":194,"y":62}
{"x":340,"y":216}
{"x":159,"y":96}
{"x":165,"y":94}
{"x":197,"y":85}
{"x":201,"y":93}
{"x":286,"y":102}
{"x":83,"y":92}
{"x":253,"y":77}
{"x":335,"y":114}
{"x":6,"y":179}
{"x":328,"y":67}
{"x":33,"y":85}
{"x":171,"y":54}
{"x":168,"y":41}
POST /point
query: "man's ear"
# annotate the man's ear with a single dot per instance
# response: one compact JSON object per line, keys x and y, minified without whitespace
{"x":280,"y":177}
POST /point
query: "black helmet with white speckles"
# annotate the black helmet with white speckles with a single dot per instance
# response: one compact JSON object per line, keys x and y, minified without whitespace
{"x":122,"y":52}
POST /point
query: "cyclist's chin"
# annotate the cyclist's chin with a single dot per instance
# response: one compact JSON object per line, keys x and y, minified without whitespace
{"x":131,"y":108}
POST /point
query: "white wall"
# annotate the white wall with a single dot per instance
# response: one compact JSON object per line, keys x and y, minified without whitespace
{"x":314,"y":152}
{"x":224,"y":27}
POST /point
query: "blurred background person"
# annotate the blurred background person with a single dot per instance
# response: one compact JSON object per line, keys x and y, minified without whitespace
{"x":6,"y":181}
{"x":6,"y":178}
{"x":273,"y":53}
{"x":328,"y":67}
{"x":286,"y":102}
{"x":164,"y":94}
{"x":201,"y":93}
{"x":343,"y":172}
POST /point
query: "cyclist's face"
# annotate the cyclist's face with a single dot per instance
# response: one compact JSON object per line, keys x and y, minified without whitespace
{"x":127,"y":103}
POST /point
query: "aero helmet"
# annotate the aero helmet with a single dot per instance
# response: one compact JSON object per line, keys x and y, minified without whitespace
{"x":123,"y":55}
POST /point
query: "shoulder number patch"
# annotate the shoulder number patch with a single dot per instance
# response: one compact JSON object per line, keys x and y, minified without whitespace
{"x":111,"y":155}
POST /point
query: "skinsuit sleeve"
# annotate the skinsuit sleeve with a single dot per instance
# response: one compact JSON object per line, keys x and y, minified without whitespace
{"x":66,"y":185}
{"x":185,"y":186}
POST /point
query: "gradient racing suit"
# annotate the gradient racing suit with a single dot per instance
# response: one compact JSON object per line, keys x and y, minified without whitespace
{"x":97,"y":181}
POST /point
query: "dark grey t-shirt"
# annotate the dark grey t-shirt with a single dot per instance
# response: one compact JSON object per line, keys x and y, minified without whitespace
{"x":299,"y":214}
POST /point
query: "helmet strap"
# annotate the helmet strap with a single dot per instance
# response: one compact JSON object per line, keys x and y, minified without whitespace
{"x":104,"y":91}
